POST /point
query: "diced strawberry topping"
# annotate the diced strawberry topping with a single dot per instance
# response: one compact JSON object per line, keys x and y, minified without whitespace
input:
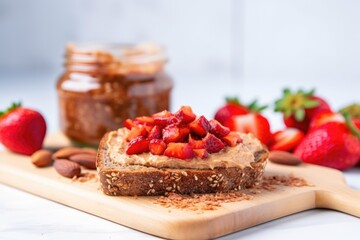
{"x":157,"y":146}
{"x":129,"y":123}
{"x":201,"y":153}
{"x":200,"y":126}
{"x":213,"y":144}
{"x":173,"y":133}
{"x":185,"y":115}
{"x":155,"y":133}
{"x":138,"y":145}
{"x":135,"y":132}
{"x":232,"y":139}
{"x":180,"y":135}
{"x":217,"y":129}
{"x":179,"y":150}
{"x":145,"y":120}
{"x":165,"y":118}
{"x":196,"y":144}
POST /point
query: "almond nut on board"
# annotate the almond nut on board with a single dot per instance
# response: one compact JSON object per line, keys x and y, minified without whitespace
{"x":41,"y":158}
{"x":84,"y":159}
{"x":286,"y":158}
{"x":66,"y":152}
{"x":67,"y":168}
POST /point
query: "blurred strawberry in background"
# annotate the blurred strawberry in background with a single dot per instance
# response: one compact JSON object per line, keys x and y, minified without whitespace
{"x":300,"y":107}
{"x":245,"y":118}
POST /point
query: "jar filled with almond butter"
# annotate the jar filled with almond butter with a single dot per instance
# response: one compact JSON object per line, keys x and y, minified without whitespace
{"x":105,"y":84}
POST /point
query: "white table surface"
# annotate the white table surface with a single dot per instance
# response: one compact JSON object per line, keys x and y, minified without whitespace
{"x":26,"y":216}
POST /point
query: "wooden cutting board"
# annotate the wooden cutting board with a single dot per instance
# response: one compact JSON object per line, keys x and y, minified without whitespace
{"x":329,"y":190}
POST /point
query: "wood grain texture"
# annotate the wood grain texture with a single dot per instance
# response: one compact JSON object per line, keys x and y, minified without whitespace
{"x":329,"y":191}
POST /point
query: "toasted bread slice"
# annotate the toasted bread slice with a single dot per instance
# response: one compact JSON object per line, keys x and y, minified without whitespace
{"x":120,"y":174}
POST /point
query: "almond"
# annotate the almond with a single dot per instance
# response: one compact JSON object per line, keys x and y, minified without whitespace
{"x":41,"y":158}
{"x":84,"y":159}
{"x":67,"y":168}
{"x":286,"y":158}
{"x":66,"y":152}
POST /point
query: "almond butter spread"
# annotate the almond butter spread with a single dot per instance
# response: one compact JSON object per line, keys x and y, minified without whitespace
{"x":239,"y":156}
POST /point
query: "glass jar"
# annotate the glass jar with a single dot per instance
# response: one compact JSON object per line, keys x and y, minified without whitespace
{"x":105,"y":84}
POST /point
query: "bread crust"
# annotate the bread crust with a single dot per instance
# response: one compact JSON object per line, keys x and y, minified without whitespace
{"x":137,"y":180}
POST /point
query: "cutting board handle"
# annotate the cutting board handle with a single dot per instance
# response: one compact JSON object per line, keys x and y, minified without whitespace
{"x":341,"y":198}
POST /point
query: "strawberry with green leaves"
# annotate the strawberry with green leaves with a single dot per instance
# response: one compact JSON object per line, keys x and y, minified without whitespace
{"x":300,"y":107}
{"x":22,"y":130}
{"x":246,"y":119}
{"x":234,"y":107}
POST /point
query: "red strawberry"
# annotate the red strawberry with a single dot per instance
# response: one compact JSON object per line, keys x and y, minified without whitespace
{"x":196,"y":144}
{"x":232,"y":107}
{"x":212,"y":143}
{"x":299,"y":108}
{"x":254,"y":123}
{"x":136,"y":131}
{"x":287,"y":139}
{"x":232,"y":139}
{"x":217,"y":129}
{"x":331,"y":144}
{"x":173,"y":133}
{"x":200,"y":126}
{"x":201,"y":153}
{"x":138,"y":145}
{"x":155,"y":133}
{"x":129,"y":123}
{"x":144,"y":120}
{"x":165,"y":118}
{"x":22,"y":130}
{"x":157,"y":146}
{"x":185,"y":114}
{"x":179,"y":150}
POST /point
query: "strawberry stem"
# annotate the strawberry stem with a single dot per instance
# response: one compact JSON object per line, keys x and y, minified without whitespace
{"x":351,"y":125}
{"x":233,"y":100}
{"x":12,"y":107}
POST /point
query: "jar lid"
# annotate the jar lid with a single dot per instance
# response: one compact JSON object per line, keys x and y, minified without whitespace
{"x":148,"y":57}
{"x":131,"y":53}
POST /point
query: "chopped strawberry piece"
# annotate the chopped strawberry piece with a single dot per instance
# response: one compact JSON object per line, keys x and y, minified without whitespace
{"x":164,"y":113}
{"x":138,"y":145}
{"x":179,"y":150}
{"x":173,"y":133}
{"x":145,"y":120}
{"x":157,"y":146}
{"x":217,"y":129}
{"x":201,"y":153}
{"x":165,"y":118}
{"x":129,"y":123}
{"x":155,"y":132}
{"x":232,"y":139}
{"x":287,"y":139}
{"x":135,"y":132}
{"x":213,"y":144}
{"x":185,"y":114}
{"x":200,"y":126}
{"x":196,"y":144}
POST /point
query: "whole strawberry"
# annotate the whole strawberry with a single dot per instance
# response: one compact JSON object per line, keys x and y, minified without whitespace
{"x":22,"y":130}
{"x":332,"y":144}
{"x":299,"y":108}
